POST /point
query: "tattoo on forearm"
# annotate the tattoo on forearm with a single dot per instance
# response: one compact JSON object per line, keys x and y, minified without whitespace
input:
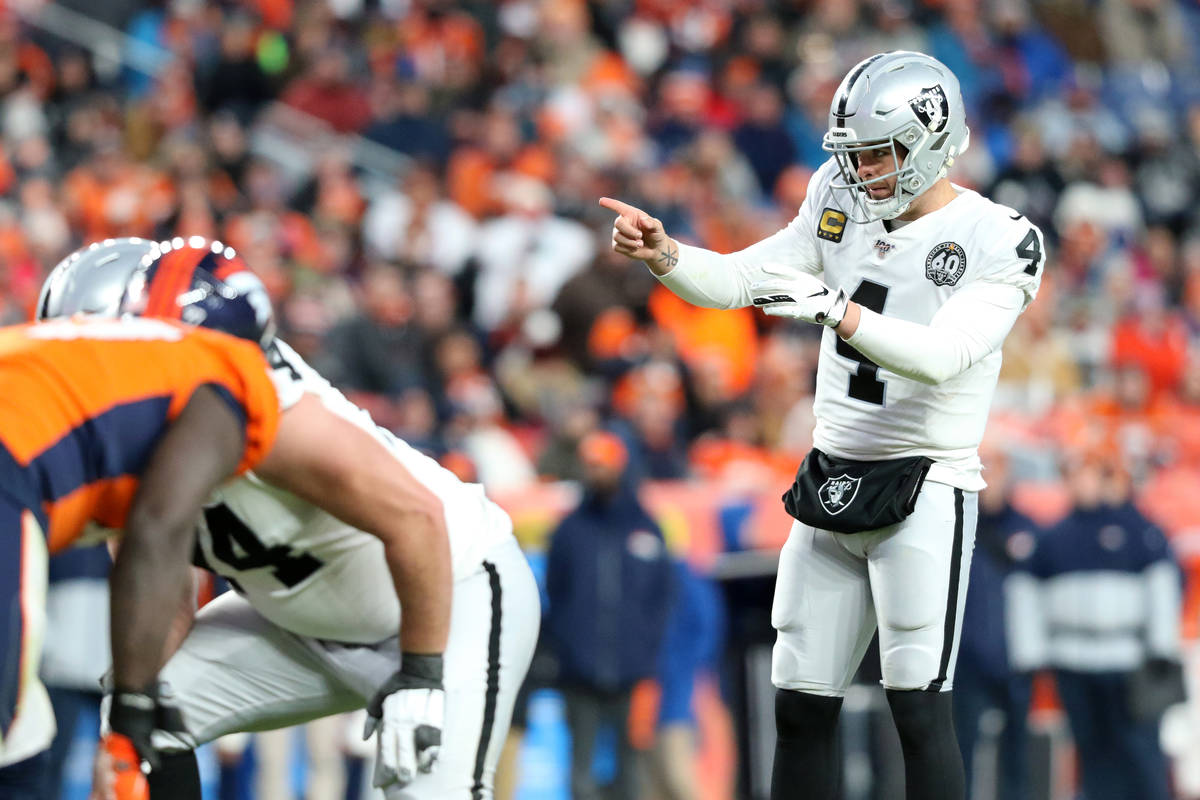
{"x":669,"y":257}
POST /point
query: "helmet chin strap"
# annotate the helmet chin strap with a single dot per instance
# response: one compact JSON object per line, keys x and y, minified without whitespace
{"x":898,"y":205}
{"x":899,"y":210}
{"x":887,"y":208}
{"x":898,"y":194}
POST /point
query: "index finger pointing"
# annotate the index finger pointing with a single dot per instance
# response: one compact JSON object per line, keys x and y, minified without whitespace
{"x":624,"y":209}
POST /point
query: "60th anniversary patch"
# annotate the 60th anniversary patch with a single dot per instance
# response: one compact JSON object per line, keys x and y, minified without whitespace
{"x":946,"y":263}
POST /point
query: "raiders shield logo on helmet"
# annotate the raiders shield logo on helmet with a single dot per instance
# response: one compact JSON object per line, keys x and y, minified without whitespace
{"x":838,"y":493}
{"x":932,"y":108}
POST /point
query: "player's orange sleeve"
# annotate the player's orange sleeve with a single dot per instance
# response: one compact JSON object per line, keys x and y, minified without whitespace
{"x":86,"y":403}
{"x":258,"y":397}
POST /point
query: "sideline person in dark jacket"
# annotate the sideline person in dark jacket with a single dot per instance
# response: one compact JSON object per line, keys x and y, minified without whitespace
{"x":986,"y":679}
{"x":608,"y":580}
{"x":1099,"y":600}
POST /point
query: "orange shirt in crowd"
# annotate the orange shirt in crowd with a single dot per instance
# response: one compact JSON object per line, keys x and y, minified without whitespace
{"x":471,"y":174}
{"x":701,"y":333}
{"x":1098,"y":423}
{"x":714,"y":458}
{"x":436,"y":44}
{"x":1162,"y":351}
{"x":128,"y":205}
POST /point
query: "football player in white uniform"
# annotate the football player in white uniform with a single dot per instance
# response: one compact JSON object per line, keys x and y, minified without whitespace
{"x":917,"y":282}
{"x":312,"y":627}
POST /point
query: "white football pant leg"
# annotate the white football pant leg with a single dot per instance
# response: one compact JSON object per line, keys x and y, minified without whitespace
{"x":919,"y":573}
{"x":911,"y":577}
{"x":822,"y":611}
{"x":237,"y":671}
{"x":493,"y":632}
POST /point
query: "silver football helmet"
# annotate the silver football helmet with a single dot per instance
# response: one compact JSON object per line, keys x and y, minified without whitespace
{"x":92,"y":279}
{"x":909,"y":103}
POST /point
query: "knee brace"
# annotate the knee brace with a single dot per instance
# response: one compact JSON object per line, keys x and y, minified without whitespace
{"x":910,"y":666}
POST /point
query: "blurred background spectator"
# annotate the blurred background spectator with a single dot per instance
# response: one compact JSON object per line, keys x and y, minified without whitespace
{"x":609,"y":588}
{"x":988,"y":680}
{"x":1097,"y":600}
{"x":689,"y":654}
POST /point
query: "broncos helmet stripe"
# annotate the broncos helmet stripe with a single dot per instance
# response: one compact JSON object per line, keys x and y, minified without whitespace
{"x":201,"y":282}
{"x":172,"y":274}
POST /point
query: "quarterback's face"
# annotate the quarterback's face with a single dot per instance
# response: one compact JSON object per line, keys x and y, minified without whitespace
{"x":872,"y":165}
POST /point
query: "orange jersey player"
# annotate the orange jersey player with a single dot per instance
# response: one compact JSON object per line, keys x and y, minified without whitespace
{"x":128,"y":424}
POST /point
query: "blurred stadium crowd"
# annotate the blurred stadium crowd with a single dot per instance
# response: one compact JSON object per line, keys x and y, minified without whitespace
{"x":416,"y":181}
{"x":473,"y":298}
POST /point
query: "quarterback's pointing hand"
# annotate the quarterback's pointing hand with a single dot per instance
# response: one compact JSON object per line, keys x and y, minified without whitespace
{"x":800,"y":296}
{"x":408,"y":712}
{"x":638,"y":235}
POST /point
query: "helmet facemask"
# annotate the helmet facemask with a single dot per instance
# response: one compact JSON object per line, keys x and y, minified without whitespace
{"x":905,"y":149}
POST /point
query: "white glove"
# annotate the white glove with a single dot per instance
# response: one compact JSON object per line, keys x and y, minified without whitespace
{"x":408,"y":712}
{"x":800,"y":296}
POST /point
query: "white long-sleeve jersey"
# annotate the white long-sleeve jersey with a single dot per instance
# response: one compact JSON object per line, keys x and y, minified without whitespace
{"x":939,"y":295}
{"x":309,"y":572}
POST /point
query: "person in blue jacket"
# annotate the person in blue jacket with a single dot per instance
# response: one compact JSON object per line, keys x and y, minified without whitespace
{"x":1099,"y":601}
{"x":608,"y":581}
{"x":986,"y":679}
{"x":691,"y":649}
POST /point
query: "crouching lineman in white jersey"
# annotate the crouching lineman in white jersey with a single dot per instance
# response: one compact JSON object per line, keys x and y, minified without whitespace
{"x":918,"y":282}
{"x":312,"y":628}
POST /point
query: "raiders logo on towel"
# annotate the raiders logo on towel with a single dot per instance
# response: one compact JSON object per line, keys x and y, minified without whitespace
{"x":838,"y":493}
{"x":932,"y":108}
{"x":946,"y":263}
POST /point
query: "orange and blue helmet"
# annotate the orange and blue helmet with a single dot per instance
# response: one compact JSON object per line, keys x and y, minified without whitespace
{"x":201,"y":282}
